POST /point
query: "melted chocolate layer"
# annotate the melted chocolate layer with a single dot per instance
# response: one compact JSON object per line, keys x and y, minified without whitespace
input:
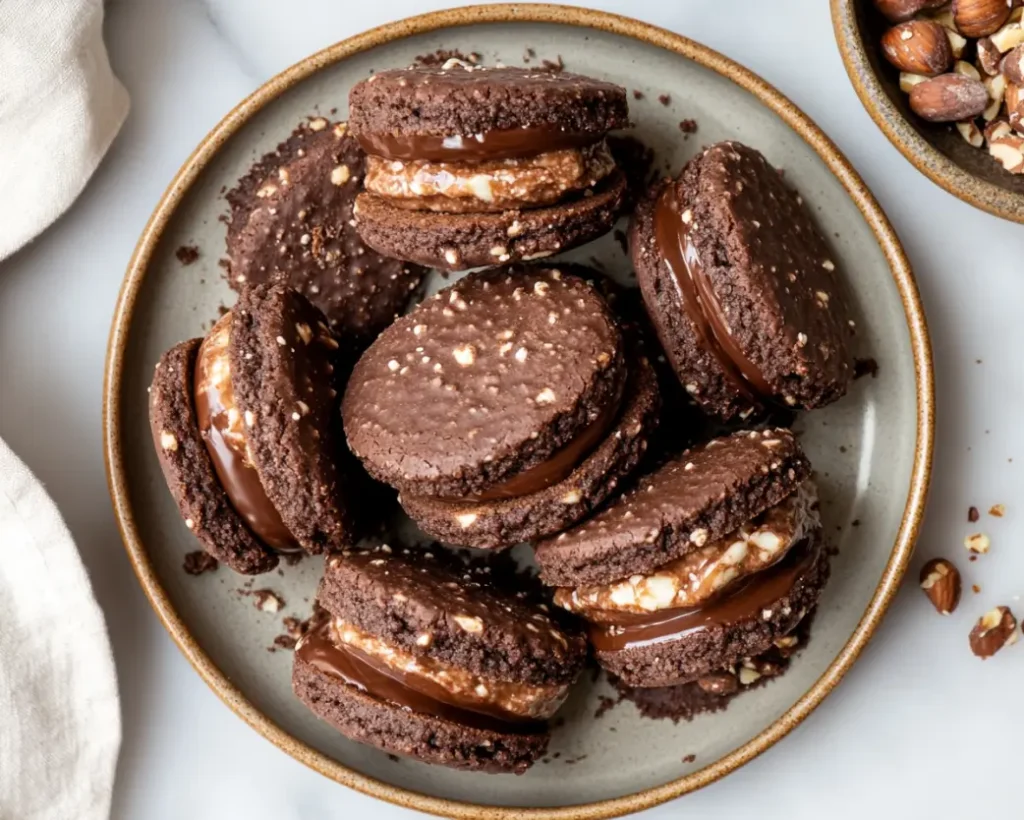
{"x":672,"y":233}
{"x":409,"y":691}
{"x":746,"y":601}
{"x":213,"y":399}
{"x":497,"y":144}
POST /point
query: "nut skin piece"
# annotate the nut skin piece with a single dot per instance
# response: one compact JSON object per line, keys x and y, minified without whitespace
{"x":918,"y":47}
{"x":896,"y":11}
{"x":941,"y":583}
{"x":995,"y":629}
{"x":723,"y":683}
{"x":979,"y":18}
{"x":1012,"y":65}
{"x":948,"y":98}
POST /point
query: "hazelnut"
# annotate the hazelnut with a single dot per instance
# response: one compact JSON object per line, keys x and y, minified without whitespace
{"x":995,"y":629}
{"x":918,"y":47}
{"x":980,"y":18}
{"x":896,"y":11}
{"x":940,"y":581}
{"x":948,"y":98}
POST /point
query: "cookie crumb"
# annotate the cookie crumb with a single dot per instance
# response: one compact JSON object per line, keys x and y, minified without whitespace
{"x":555,"y":67}
{"x":865,"y":367}
{"x":637,"y":94}
{"x":187,"y":254}
{"x":688,"y":126}
{"x":198,"y":562}
{"x":266,"y":600}
{"x":443,"y":55}
{"x":665,"y":99}
{"x":620,"y":237}
{"x":689,"y":758}
{"x":605,"y":703}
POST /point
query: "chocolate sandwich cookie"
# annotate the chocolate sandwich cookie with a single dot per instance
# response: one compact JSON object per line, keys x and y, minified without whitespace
{"x":291,"y":224}
{"x":705,"y":562}
{"x":741,"y":287}
{"x":504,"y":408}
{"x":470,"y":166}
{"x":245,"y":427}
{"x":420,"y":659}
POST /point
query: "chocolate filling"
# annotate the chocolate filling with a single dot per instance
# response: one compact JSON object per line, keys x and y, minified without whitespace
{"x":675,"y":244}
{"x":745,"y":601}
{"x":214,"y":400}
{"x":497,"y":144}
{"x":409,"y":691}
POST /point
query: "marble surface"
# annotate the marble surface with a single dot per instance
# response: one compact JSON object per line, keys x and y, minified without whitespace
{"x":919,"y":727}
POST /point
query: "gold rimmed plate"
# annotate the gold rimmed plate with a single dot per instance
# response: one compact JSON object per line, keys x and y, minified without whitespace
{"x":872,"y":450}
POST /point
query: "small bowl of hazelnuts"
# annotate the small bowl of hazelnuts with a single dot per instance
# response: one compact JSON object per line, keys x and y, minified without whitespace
{"x":945,"y":83}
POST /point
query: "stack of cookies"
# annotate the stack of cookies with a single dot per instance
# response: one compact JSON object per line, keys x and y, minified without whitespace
{"x":521,"y":403}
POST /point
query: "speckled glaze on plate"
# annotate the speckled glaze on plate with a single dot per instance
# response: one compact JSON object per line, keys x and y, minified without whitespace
{"x":936,"y":150}
{"x":872,"y":450}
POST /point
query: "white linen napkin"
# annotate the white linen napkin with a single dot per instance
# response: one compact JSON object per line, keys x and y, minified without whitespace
{"x":60,"y":721}
{"x":60,"y":108}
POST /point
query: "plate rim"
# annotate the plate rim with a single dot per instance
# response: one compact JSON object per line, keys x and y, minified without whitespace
{"x":620,"y":25}
{"x":927,"y":159}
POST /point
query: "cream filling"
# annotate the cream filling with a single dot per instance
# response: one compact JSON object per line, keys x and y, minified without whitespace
{"x":700,"y":575}
{"x":519,"y":699}
{"x":489,"y":185}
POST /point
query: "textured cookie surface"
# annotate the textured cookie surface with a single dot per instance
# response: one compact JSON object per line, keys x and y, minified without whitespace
{"x":695,"y":498}
{"x":189,"y":472}
{"x":719,"y":646}
{"x":291,"y":224}
{"x":506,"y":522}
{"x":470,"y":623}
{"x":484,"y":380}
{"x":283,"y":360}
{"x":772,"y":274}
{"x":362,"y":717}
{"x":461,"y":101}
{"x":458,"y":241}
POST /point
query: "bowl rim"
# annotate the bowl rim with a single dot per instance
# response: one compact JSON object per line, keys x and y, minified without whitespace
{"x":931,"y":162}
{"x":521,"y":13}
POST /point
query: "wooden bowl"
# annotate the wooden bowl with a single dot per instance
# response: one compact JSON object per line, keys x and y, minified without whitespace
{"x":937,"y":150}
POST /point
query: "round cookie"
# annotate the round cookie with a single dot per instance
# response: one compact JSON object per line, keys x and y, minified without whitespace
{"x":431,"y":659}
{"x":741,"y":286}
{"x":189,"y":473}
{"x":458,"y":241}
{"x":283,"y":359}
{"x":292,"y":224}
{"x":460,"y":99}
{"x":695,"y":498}
{"x":505,"y":406}
{"x":471,"y":166}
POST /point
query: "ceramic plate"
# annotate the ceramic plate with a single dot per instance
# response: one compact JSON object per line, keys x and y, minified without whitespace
{"x":871,"y":451}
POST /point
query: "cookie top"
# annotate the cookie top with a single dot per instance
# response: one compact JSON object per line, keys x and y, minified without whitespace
{"x":292,"y":224}
{"x":484,"y":380}
{"x":189,"y":472}
{"x":432,"y":609}
{"x":700,"y":496}
{"x":771,"y":321}
{"x":463,"y":100}
{"x":283,"y":360}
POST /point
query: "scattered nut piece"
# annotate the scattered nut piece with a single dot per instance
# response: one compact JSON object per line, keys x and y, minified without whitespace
{"x":940,"y":581}
{"x":470,"y":623}
{"x":168,"y":441}
{"x":978,"y":543}
{"x":722,"y":683}
{"x":997,"y":510}
{"x":748,"y":676}
{"x":995,"y":629}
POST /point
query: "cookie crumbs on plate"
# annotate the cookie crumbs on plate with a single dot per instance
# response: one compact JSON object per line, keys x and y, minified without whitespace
{"x":443,"y":55}
{"x":266,"y":600}
{"x":665,"y":99}
{"x":688,"y":126}
{"x":638,"y":94}
{"x":556,"y":66}
{"x":620,"y":237}
{"x":187,"y":254}
{"x":605,"y":704}
{"x":198,"y":562}
{"x":690,"y":758}
{"x":865,"y":367}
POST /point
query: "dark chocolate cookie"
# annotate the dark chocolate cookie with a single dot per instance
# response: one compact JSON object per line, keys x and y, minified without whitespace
{"x":292,"y":224}
{"x":420,"y":658}
{"x":485,"y":380}
{"x":696,"y":498}
{"x":741,"y":286}
{"x":283,"y":358}
{"x":189,"y":473}
{"x":720,"y":635}
{"x":466,"y":100}
{"x":458,"y":241}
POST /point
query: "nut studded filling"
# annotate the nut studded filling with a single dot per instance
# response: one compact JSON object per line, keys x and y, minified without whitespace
{"x":492,"y":185}
{"x":222,"y":427}
{"x":466,"y":690}
{"x":701,"y":575}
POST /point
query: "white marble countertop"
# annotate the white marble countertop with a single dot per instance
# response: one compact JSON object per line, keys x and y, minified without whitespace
{"x":919,"y":727}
